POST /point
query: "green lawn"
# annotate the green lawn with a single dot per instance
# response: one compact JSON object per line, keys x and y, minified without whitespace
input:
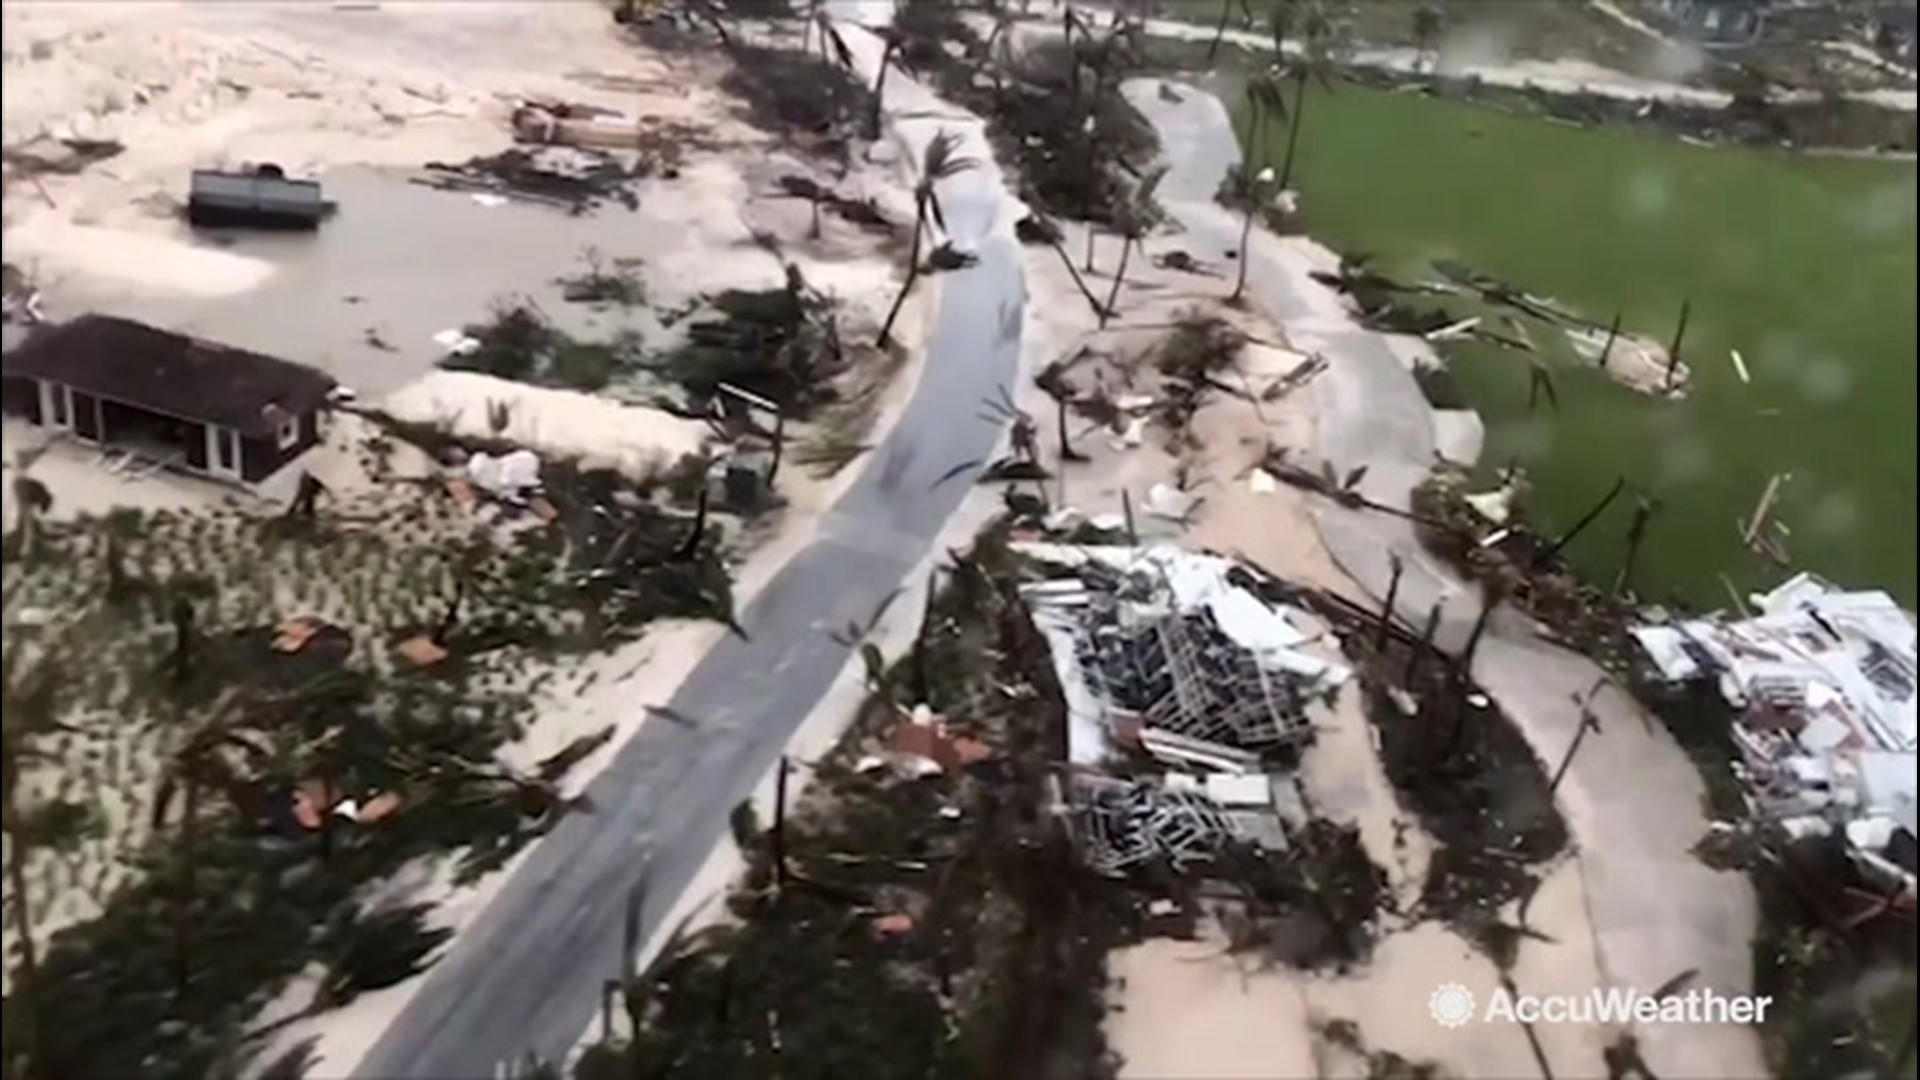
{"x":1806,"y":265}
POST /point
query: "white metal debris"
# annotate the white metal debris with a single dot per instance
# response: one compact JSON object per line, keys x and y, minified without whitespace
{"x":1169,"y":502}
{"x":507,"y":476}
{"x":1824,"y":682}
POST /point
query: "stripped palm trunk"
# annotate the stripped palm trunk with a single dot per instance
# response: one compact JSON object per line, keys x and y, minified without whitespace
{"x":1386,"y":610}
{"x":1613,"y":334}
{"x":1418,"y":657}
{"x":1636,"y":534}
{"x":913,"y":274}
{"x":1119,"y":276}
{"x":1546,"y":557}
{"x":1679,"y":335}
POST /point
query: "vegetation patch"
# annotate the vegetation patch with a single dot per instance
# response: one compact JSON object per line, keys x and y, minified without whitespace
{"x":935,"y":926}
{"x":520,"y":343}
{"x":1053,"y":109}
{"x":226,"y":729}
{"x":782,"y":345}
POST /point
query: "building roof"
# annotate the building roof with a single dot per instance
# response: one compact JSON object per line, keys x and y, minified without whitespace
{"x":170,"y":373}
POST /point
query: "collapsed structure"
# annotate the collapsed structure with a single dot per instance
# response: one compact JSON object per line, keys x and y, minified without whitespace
{"x":1823,"y":684}
{"x":1172,"y":653}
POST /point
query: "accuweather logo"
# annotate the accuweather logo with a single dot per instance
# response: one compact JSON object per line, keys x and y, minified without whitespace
{"x":1453,"y":1005}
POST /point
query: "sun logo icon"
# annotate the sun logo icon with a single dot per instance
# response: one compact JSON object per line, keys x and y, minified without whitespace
{"x":1451,"y":1004}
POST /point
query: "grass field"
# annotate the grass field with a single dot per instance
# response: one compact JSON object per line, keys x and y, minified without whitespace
{"x":1806,"y":265}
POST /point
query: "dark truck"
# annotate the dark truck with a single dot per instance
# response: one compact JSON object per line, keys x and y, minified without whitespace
{"x":262,"y":199}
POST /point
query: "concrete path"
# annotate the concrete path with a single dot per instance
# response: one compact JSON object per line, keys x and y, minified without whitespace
{"x":526,"y":976}
{"x":1632,"y":800}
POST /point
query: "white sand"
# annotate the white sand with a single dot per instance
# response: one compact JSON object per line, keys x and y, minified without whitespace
{"x":134,"y":260}
{"x":633,"y":439}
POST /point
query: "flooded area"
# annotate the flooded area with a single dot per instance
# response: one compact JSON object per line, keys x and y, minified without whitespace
{"x":362,"y":297}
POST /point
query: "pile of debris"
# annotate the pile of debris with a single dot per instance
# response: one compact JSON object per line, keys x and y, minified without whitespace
{"x":1120,"y":824}
{"x":574,"y":179}
{"x":1823,"y":685}
{"x":1173,"y":654}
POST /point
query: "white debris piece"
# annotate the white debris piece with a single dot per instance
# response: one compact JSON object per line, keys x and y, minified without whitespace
{"x":1261,"y":482}
{"x":1496,"y":505}
{"x":506,"y":477}
{"x":1236,"y":790}
{"x":456,"y":342}
{"x":1167,"y":501}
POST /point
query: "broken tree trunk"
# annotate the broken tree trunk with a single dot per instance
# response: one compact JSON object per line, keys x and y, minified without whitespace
{"x":1424,"y":646}
{"x":1386,"y":609}
{"x":1546,"y":557}
{"x":690,"y":547}
{"x":1588,"y":722}
{"x":1613,"y":334}
{"x":1126,"y":512}
{"x":1078,"y":281}
{"x":922,"y":675}
{"x":913,"y":275}
{"x":1636,"y":534}
{"x":779,"y":446}
{"x":1673,"y":351}
{"x":777,"y":839}
{"x":1067,"y":452}
{"x":1491,"y":601}
{"x":1119,"y":278}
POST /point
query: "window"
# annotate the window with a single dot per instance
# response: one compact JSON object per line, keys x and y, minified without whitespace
{"x":289,"y":432}
{"x":227,"y":446}
{"x":62,"y":414}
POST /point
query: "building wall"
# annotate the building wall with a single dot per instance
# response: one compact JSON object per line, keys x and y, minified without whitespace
{"x":263,"y":456}
{"x":260,"y":456}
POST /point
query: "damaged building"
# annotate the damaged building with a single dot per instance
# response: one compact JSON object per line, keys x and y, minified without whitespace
{"x":1171,"y":654}
{"x":1822,"y":684}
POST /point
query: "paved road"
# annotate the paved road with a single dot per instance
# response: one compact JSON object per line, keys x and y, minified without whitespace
{"x":526,"y":976}
{"x":1631,"y":798}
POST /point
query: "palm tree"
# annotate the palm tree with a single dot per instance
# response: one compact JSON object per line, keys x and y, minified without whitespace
{"x":941,"y":161}
{"x":1254,"y":190}
{"x":1220,"y":28}
{"x":889,"y":56}
{"x":998,"y":48}
{"x":1547,"y":556}
{"x":1673,"y":351}
{"x":1137,"y":215}
{"x":1426,"y":35}
{"x":1317,"y":32}
{"x":1643,"y":514}
{"x":1266,"y":101}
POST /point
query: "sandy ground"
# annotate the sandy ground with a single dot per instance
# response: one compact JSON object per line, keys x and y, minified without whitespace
{"x":632,"y":439}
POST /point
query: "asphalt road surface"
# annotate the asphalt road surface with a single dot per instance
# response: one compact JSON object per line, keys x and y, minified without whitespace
{"x":526,"y":976}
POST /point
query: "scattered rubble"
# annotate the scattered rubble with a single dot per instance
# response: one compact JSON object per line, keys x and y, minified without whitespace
{"x":1120,"y":824}
{"x":1162,"y":640}
{"x":574,"y":179}
{"x":1822,"y":684}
